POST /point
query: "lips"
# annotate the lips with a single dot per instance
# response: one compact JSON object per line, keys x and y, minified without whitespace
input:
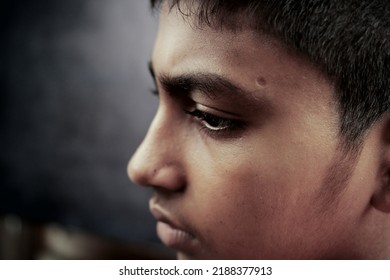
{"x":171,"y":233}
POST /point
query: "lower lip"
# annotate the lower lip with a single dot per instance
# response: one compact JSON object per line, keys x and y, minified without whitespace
{"x":175,"y":238}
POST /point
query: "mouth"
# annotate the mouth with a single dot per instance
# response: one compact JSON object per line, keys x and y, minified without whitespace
{"x":172,"y":233}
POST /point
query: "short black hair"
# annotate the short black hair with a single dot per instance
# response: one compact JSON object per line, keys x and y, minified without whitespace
{"x":348,"y":39}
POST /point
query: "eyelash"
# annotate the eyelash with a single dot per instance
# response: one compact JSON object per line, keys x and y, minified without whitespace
{"x":227,"y":126}
{"x":213,"y":124}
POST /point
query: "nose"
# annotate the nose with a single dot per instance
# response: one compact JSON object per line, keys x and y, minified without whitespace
{"x":157,"y":161}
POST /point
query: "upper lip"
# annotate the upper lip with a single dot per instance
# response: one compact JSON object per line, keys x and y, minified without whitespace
{"x":160,"y":214}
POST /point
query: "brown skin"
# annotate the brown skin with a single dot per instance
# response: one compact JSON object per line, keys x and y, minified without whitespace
{"x":278,"y":186}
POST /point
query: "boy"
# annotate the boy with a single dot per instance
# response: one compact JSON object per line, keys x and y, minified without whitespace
{"x":272,"y":137}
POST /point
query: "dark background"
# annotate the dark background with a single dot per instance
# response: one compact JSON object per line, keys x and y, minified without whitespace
{"x":75,"y":104}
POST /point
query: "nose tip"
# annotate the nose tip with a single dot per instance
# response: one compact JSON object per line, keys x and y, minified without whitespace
{"x":155,"y":171}
{"x":136,"y":173}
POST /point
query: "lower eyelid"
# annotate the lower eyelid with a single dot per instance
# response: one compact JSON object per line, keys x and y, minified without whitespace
{"x":208,"y":126}
{"x":202,"y":116}
{"x":231,"y":128}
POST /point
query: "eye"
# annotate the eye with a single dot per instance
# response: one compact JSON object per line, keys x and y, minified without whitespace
{"x":211,"y":122}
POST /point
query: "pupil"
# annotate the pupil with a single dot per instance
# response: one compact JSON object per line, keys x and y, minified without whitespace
{"x":213,"y":121}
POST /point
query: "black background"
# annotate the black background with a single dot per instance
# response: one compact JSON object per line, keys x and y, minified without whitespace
{"x":74,"y":106}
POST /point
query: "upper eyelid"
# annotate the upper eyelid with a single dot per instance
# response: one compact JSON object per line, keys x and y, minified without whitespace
{"x":202,"y":116}
{"x":221,"y":93}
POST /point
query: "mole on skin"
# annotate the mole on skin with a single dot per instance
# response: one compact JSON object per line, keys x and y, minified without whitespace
{"x":261,"y":82}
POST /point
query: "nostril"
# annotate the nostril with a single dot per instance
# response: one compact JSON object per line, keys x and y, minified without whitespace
{"x":170,"y":177}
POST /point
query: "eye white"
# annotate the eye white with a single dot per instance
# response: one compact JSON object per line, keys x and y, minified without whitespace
{"x":214,"y":128}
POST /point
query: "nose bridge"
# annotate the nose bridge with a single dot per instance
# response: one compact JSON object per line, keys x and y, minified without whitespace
{"x":156,"y":147}
{"x":157,"y":160}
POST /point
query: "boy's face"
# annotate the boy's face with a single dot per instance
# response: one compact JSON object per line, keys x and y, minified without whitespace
{"x":250,"y":171}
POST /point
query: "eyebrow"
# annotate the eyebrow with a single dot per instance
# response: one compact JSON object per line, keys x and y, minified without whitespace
{"x":211,"y":84}
{"x":151,"y":70}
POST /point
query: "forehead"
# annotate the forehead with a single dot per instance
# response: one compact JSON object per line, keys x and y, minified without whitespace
{"x":241,"y":54}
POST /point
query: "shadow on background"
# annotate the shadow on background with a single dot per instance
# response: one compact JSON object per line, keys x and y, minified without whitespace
{"x":74,"y":107}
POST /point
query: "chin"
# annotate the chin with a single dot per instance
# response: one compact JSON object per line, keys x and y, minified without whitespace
{"x":182,"y":256}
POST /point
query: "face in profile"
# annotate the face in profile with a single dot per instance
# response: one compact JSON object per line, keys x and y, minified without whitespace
{"x":244,"y":152}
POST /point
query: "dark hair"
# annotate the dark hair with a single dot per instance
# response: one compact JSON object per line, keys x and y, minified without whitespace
{"x":348,"y":39}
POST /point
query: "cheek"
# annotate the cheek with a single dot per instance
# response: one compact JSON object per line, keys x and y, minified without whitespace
{"x":234,"y":203}
{"x":246,"y":201}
